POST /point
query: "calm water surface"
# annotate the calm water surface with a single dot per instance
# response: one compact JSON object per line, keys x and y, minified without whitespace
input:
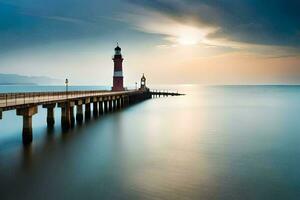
{"x":226,"y":142}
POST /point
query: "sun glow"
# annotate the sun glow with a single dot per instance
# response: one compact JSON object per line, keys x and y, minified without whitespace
{"x":187,"y":40}
{"x":188,"y":35}
{"x":179,"y":33}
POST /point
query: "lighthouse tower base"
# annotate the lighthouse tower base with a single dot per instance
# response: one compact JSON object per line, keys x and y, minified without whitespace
{"x":115,"y":89}
{"x":118,"y":84}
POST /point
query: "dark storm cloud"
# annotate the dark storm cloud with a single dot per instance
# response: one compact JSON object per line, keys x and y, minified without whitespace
{"x":267,"y":22}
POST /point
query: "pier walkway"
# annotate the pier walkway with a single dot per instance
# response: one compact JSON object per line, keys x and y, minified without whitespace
{"x":9,"y":101}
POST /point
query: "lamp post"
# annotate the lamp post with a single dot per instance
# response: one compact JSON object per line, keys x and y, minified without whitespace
{"x":67,"y":82}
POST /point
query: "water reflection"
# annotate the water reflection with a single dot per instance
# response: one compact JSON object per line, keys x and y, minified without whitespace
{"x":214,"y":143}
{"x":27,"y":157}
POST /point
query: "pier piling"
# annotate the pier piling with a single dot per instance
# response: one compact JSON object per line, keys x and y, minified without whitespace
{"x":72,"y":118}
{"x":87,"y":111}
{"x":50,"y":114}
{"x":101,"y":107}
{"x":105,"y":106}
{"x":27,"y":114}
{"x":67,"y":114}
{"x":79,"y":112}
{"x":110,"y":107}
{"x":95,"y":108}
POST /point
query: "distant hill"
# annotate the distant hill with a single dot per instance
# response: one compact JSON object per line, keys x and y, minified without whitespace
{"x":15,"y":79}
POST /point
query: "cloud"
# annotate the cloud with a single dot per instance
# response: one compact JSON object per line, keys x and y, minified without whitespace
{"x":172,"y":30}
{"x":63,"y":19}
{"x":258,"y":22}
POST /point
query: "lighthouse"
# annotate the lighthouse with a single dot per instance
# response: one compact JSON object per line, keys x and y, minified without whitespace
{"x":118,"y":70}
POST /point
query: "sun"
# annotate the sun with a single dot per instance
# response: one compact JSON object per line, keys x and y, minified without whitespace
{"x":187,"y":40}
{"x":188,"y":35}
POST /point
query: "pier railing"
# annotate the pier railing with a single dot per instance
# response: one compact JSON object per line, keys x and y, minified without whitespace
{"x":8,"y":100}
{"x":16,"y":99}
{"x":165,"y":92}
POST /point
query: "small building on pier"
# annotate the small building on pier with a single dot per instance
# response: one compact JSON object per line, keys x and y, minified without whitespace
{"x":143,"y":84}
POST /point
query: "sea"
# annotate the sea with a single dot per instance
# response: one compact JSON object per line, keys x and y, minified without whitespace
{"x":215,"y":142}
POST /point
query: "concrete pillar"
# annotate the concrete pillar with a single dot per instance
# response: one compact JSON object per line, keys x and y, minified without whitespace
{"x":87,"y":105}
{"x":72,"y":118}
{"x":116,"y":104}
{"x":79,"y":111}
{"x":95,"y":109}
{"x":123,"y":101}
{"x":65,"y":117}
{"x":105,"y":106}
{"x":120,"y":102}
{"x":113,"y":105}
{"x":67,"y":114}
{"x":50,"y":114}
{"x":27,"y":114}
{"x":101,"y":110}
{"x":79,"y":114}
{"x":87,"y":111}
{"x":110,"y":102}
{"x":27,"y":129}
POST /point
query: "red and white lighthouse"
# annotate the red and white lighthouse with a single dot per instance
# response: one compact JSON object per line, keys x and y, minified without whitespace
{"x":118,"y":70}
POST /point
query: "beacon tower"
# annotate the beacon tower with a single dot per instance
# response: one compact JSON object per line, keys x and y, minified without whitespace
{"x":118,"y":70}
{"x":143,"y":83}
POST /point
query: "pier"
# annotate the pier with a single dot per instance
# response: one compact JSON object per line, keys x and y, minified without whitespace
{"x":71,"y":103}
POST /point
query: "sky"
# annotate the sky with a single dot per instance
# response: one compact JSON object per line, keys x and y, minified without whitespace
{"x":171,"y":41}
